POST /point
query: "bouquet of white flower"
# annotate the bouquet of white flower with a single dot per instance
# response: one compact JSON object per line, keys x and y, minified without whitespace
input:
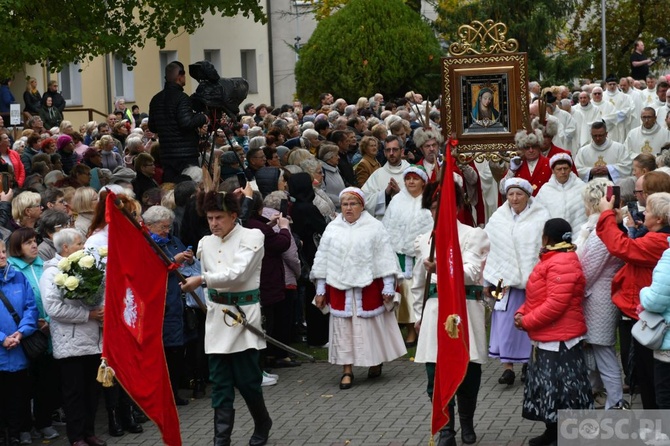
{"x":82,"y":276}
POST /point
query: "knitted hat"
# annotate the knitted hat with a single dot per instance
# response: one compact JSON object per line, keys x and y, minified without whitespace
{"x":62,"y":141}
{"x":519,"y":183}
{"x":417,"y":170}
{"x":353,"y":191}
{"x":123,"y":174}
{"x":560,"y":157}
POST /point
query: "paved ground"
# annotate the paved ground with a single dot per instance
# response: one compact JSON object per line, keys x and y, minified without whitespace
{"x":308,"y":408}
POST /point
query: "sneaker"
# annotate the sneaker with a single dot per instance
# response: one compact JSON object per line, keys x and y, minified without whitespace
{"x":49,"y":433}
{"x":267,"y":381}
{"x":271,"y":375}
{"x":25,"y":438}
{"x":621,"y":405}
{"x":58,"y":418}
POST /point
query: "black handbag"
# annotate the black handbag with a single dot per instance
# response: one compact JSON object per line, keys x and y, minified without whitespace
{"x":34,"y":345}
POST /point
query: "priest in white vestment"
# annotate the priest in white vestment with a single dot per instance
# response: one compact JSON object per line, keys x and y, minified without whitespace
{"x":649,"y":137}
{"x":617,"y":122}
{"x":387,"y":181}
{"x":603,"y":157}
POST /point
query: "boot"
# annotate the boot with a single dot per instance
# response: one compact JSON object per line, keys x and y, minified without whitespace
{"x":548,"y":438}
{"x":115,"y":429}
{"x":224,"y":419}
{"x":128,"y":420}
{"x":447,"y":433}
{"x":262,"y":422}
{"x":466,"y":414}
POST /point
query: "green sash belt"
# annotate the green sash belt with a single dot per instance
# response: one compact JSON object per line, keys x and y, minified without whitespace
{"x":472,"y":292}
{"x":234,"y":298}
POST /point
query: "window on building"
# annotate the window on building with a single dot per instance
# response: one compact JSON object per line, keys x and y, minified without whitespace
{"x":165,"y":58}
{"x":214,"y":57}
{"x":124,"y":81}
{"x":69,"y":82}
{"x":248,"y":59}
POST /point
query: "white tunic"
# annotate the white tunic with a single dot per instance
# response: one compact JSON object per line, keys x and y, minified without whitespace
{"x":634,"y":120}
{"x":613,"y":154}
{"x":643,"y":140}
{"x":232,"y":264}
{"x":474,"y":248}
{"x":589,"y":114}
{"x":649,"y":97}
{"x":375,"y":187}
{"x":617,"y":122}
{"x":567,"y":131}
{"x":564,"y":200}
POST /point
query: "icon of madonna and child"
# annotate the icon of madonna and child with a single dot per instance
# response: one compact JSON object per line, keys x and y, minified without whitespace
{"x":484,"y":114}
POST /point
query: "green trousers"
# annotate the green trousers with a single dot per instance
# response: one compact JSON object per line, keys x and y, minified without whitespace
{"x":241,"y":370}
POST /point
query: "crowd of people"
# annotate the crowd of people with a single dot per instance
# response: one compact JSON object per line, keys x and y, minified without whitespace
{"x":317,"y":224}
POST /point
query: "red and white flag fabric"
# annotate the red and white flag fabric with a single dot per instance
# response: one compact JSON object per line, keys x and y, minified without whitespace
{"x":453,"y":353}
{"x":136,"y":283}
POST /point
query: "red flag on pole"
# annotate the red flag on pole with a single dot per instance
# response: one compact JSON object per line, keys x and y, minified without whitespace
{"x":453,"y":348}
{"x":133,"y":329}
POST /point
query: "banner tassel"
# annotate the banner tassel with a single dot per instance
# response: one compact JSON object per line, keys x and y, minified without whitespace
{"x":451,"y":325}
{"x":432,"y":441}
{"x":105,"y":374}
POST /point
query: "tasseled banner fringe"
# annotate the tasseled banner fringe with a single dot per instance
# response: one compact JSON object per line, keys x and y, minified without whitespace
{"x":432,"y":441}
{"x":105,"y":374}
{"x":453,"y":321}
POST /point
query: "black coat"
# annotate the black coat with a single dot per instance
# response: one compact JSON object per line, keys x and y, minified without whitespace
{"x":57,"y":100}
{"x":172,"y":118}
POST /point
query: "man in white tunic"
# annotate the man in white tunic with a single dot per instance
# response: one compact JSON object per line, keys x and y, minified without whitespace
{"x":663,"y":112}
{"x":603,"y":157}
{"x":384,"y":183}
{"x":638,"y":101}
{"x":586,"y":113}
{"x":649,"y":137}
{"x":231,"y":270}
{"x":659,"y":99}
{"x":649,"y":93}
{"x":617,"y":122}
{"x":564,"y":139}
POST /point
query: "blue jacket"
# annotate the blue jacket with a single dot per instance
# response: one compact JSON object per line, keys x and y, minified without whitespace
{"x":656,"y":297}
{"x":173,"y":319}
{"x":18,"y":291}
{"x":6,"y":98}
{"x":33,"y":272}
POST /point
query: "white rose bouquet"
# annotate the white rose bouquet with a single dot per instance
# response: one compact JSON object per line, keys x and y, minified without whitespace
{"x":82,"y":276}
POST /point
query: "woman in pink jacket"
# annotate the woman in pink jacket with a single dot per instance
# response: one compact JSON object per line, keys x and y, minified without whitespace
{"x":554,"y":319}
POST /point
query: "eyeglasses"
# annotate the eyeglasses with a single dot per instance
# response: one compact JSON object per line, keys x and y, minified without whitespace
{"x":638,"y":191}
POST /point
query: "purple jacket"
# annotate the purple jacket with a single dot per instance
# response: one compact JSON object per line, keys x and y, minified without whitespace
{"x":273,"y":279}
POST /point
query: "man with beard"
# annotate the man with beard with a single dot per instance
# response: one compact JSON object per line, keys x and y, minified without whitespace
{"x":603,"y":157}
{"x":649,"y":137}
{"x":386,"y":181}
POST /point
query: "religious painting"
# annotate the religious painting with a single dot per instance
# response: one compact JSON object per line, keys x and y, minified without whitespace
{"x":486,"y":108}
{"x":485,"y":92}
{"x":486,"y":101}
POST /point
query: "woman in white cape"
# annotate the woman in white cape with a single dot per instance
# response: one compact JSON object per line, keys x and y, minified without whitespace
{"x":562,"y":194}
{"x":474,"y":245}
{"x":515,"y":233}
{"x":356,"y":274}
{"x":405,"y":220}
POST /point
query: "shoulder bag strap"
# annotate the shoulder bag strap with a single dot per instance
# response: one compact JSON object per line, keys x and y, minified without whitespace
{"x":9,"y":306}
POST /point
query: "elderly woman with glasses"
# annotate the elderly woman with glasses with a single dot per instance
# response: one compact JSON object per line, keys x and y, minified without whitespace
{"x":158,"y":220}
{"x":356,"y":273}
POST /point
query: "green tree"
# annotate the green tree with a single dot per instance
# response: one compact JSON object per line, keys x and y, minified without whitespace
{"x":369,"y":46}
{"x":65,"y":31}
{"x":626,"y":21}
{"x":540,"y":27}
{"x":324,"y":8}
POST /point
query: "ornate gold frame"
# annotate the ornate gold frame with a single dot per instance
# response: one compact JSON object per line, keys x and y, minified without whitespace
{"x":463,"y":74}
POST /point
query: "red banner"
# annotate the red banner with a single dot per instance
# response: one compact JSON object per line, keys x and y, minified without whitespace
{"x":136,"y":283}
{"x":452,"y":352}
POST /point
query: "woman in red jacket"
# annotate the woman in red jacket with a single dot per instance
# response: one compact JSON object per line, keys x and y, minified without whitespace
{"x":640,"y":256}
{"x":553,"y":317}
